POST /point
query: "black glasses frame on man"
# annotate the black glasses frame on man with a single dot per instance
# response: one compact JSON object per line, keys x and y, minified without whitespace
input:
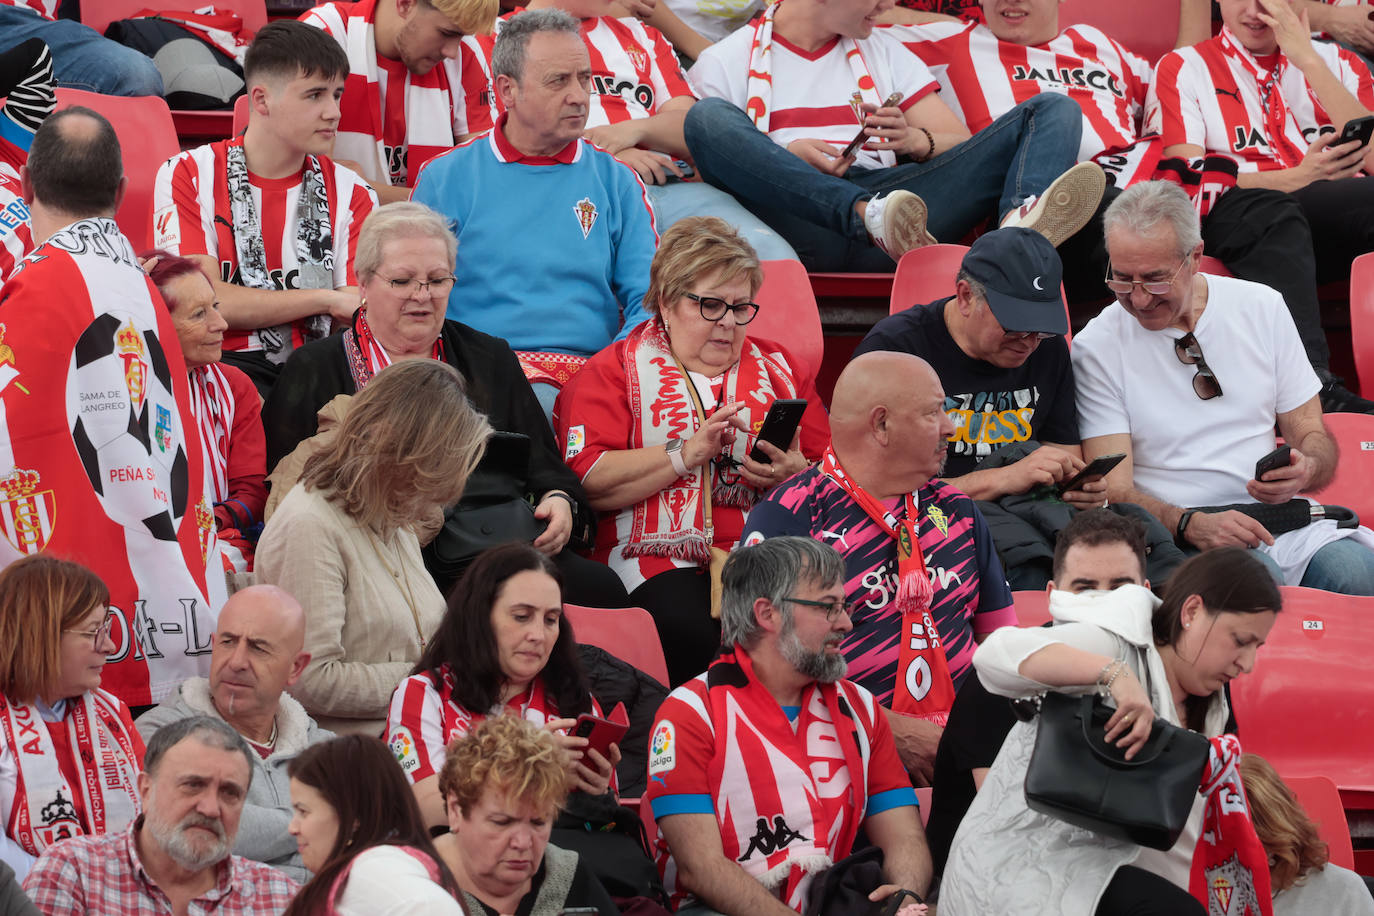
{"x":1189,"y":352}
{"x":714,"y":309}
{"x":833,"y":609}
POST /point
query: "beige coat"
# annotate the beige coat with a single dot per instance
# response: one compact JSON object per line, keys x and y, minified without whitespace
{"x":362,"y":596}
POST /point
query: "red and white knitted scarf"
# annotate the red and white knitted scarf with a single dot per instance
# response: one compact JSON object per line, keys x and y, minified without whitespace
{"x":1272,"y":101}
{"x":789,"y":795}
{"x":534,"y":705}
{"x":366,"y":357}
{"x":672,"y":524}
{"x":43,"y":809}
{"x":924,"y":688}
{"x":212,"y":404}
{"x":1230,"y":875}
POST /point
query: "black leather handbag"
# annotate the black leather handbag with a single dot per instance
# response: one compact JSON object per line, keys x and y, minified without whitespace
{"x":1077,"y":777}
{"x":493,"y":510}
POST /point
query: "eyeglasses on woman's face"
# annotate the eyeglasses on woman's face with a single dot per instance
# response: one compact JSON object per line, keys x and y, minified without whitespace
{"x":714,"y":309}
{"x":100,"y":634}
{"x":414,"y":286}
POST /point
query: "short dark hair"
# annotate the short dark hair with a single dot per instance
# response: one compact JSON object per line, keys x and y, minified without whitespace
{"x":1095,"y":527}
{"x":286,"y":49}
{"x":76,"y":174}
{"x":206,"y":729}
{"x":1227,"y":579}
{"x":465,"y":641}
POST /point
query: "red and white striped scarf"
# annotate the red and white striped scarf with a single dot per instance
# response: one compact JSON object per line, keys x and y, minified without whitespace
{"x":101,"y":748}
{"x":802,"y":784}
{"x":366,"y":357}
{"x":534,"y":705}
{"x":1272,"y":102}
{"x":759,"y":89}
{"x":212,"y":404}
{"x":428,"y":100}
{"x":924,"y":688}
{"x":1230,"y":875}
{"x":672,"y":523}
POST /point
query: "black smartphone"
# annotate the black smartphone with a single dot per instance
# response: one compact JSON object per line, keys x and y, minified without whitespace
{"x":1356,"y":129}
{"x":1278,"y":458}
{"x":779,"y":426}
{"x":1095,"y":468}
{"x":854,"y":144}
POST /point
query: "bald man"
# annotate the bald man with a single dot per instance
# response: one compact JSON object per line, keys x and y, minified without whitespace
{"x":917,"y":614}
{"x":255,"y":655}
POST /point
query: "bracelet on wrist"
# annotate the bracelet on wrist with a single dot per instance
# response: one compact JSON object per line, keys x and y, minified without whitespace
{"x":930,"y":145}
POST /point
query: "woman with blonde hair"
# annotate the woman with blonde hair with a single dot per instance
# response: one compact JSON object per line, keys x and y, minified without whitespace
{"x":1301,"y":877}
{"x":503,"y":784}
{"x":660,"y":427}
{"x":343,"y":539}
{"x":69,"y":754}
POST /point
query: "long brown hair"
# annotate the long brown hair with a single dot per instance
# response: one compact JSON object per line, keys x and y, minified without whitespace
{"x":409,"y":440}
{"x":360,"y":779}
{"x":1285,"y":831}
{"x":40,"y":596}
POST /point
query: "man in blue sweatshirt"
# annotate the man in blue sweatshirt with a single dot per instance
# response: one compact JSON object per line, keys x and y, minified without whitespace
{"x":555,"y":236}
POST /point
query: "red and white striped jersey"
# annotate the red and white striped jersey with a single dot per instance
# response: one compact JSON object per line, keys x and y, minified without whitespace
{"x":392,"y":121}
{"x":16,"y":235}
{"x":191,"y":215}
{"x":813,"y":92}
{"x":634,"y":68}
{"x":1203,"y":96}
{"x":984,"y":77}
{"x":44,"y":8}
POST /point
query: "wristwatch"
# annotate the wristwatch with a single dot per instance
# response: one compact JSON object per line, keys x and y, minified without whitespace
{"x":1183,"y":521}
{"x":674,"y":448}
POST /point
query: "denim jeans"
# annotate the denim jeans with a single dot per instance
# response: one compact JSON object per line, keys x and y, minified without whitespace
{"x":1343,"y":567}
{"x":681,"y":199}
{"x":996,"y":170}
{"x":81,"y":57}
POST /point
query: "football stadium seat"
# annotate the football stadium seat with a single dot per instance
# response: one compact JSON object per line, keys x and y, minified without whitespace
{"x":925,"y":275}
{"x":1362,"y":319}
{"x":1308,"y":707}
{"x":1032,"y":607}
{"x":146,"y":139}
{"x":627,"y":633}
{"x":240,"y":115}
{"x":788,"y":315}
{"x":98,"y":14}
{"x":1351,"y":486}
{"x":1148,"y":29}
{"x":1211,"y":265}
{"x":1322,"y":802}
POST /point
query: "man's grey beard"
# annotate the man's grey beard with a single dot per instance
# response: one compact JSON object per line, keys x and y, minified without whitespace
{"x":173,"y":840}
{"x":819,"y":666}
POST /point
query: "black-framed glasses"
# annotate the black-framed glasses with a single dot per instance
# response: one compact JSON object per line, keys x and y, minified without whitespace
{"x":1153,"y":287}
{"x":833,"y":608}
{"x":100,"y":633}
{"x":1029,"y":335}
{"x":439,"y":286}
{"x":1189,"y":352}
{"x":714,"y":309}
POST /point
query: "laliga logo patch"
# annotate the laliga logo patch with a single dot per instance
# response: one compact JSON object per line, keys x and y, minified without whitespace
{"x":403,"y":749}
{"x":577,"y":440}
{"x":939,"y":519}
{"x":586,"y":214}
{"x":662,"y":749}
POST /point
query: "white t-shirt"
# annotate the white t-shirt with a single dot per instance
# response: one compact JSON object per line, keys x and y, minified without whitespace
{"x":714,"y":19}
{"x":387,"y":881}
{"x":812,"y":91}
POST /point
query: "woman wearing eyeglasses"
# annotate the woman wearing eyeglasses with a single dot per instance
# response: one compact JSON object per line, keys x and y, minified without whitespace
{"x":659,"y":427}
{"x":69,"y":754}
{"x":404,"y":264}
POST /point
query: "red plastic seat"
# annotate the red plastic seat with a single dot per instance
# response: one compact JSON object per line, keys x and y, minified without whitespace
{"x":1351,"y":487}
{"x":788,"y":315}
{"x":146,"y":139}
{"x":98,"y":14}
{"x":1148,"y":29}
{"x":627,"y":633}
{"x":1032,"y":607}
{"x":1308,"y":707}
{"x":925,"y":275}
{"x":240,"y":115}
{"x":1322,"y":802}
{"x":1362,"y":319}
{"x":1213,"y":266}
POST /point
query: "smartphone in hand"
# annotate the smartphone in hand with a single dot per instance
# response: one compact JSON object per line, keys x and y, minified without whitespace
{"x":1278,"y":458}
{"x":1098,"y":467}
{"x":854,"y":144}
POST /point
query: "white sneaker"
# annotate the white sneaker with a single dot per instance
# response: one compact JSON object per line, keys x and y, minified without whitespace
{"x":1065,"y":207}
{"x":897,"y":222}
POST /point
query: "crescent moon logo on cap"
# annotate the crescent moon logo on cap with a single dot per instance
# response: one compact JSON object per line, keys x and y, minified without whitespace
{"x":1036,"y":284}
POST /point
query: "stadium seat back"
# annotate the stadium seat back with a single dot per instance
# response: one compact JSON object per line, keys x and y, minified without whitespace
{"x":925,"y":275}
{"x":1362,"y":320}
{"x":240,"y":115}
{"x":146,"y":139}
{"x":627,"y":633}
{"x":1353,"y":484}
{"x":1322,"y":802}
{"x":788,"y":315}
{"x":1308,"y":707}
{"x":1032,"y":607}
{"x":1214,"y":266}
{"x":98,"y":14}
{"x":1148,"y":29}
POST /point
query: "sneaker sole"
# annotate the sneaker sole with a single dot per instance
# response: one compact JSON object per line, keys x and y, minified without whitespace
{"x":1070,"y":202}
{"x":905,"y":226}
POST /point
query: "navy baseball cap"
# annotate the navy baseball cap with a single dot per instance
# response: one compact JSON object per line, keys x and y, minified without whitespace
{"x":1022,"y":275}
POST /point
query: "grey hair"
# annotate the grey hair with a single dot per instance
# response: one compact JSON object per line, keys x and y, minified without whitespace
{"x":770,"y":569}
{"x":508,"y":54}
{"x":206,"y":729}
{"x":402,"y":219}
{"x":1143,"y":207}
{"x":976,"y":289}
